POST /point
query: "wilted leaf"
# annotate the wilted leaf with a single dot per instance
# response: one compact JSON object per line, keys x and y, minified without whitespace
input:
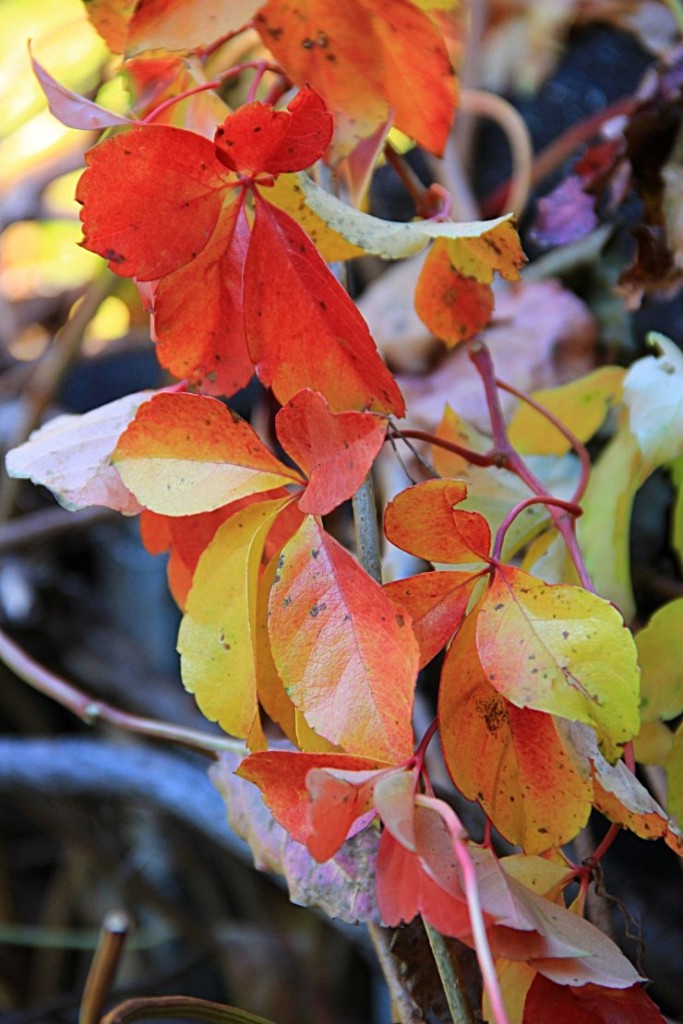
{"x":581,"y":405}
{"x":343,"y":887}
{"x":335,"y":450}
{"x":190,"y":453}
{"x":512,"y":760}
{"x":348,"y":658}
{"x":366,"y":58}
{"x":424,"y":520}
{"x":71,"y":455}
{"x":562,"y":650}
{"x":217,"y":636}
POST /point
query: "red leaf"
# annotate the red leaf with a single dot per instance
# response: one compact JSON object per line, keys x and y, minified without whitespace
{"x":282,"y":776}
{"x":562,"y":1004}
{"x":335,"y":450}
{"x":151,"y":199}
{"x":404,"y":889}
{"x":436,"y":602}
{"x":424,"y":521}
{"x":257,"y":138}
{"x":347,"y":658}
{"x":454,"y":307}
{"x":309,"y":314}
{"x":198,"y":320}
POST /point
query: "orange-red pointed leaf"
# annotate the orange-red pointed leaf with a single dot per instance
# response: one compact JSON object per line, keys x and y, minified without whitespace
{"x":188,"y":453}
{"x":512,"y":760}
{"x":184,"y":24}
{"x":308,"y":313}
{"x":366,"y":58}
{"x":425,"y":521}
{"x":562,"y":1004}
{"x":436,"y":602}
{"x":151,"y":198}
{"x":335,"y":450}
{"x":347,"y":657}
{"x":197,"y":312}
{"x":258,"y":138}
{"x":560,"y":649}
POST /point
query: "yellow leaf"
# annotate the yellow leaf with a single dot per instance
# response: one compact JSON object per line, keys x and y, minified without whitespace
{"x":217,"y":635}
{"x":288,"y":195}
{"x":581,"y":405}
{"x":661,"y":662}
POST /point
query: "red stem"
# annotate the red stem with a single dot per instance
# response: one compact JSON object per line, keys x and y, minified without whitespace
{"x":544,"y":499}
{"x":475,"y":458}
{"x":213,"y":84}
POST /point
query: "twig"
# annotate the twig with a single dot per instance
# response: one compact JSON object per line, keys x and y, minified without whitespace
{"x":188,"y":1007}
{"x":461,"y":1011}
{"x":487,"y":104}
{"x":367,"y":533}
{"x":405,"y":1007}
{"x":28,"y":530}
{"x":104,"y":966}
{"x":91,"y":711}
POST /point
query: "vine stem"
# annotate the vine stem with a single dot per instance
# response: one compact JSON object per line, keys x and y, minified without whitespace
{"x":103,"y":967}
{"x":367,"y":534}
{"x":188,"y":1007}
{"x":259,"y":65}
{"x":461,"y":1011}
{"x":91,"y":711}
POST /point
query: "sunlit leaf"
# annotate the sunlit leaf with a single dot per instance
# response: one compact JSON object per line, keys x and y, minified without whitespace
{"x":71,"y":455}
{"x":184,"y":24}
{"x":653,"y":395}
{"x":366,"y":59}
{"x":71,"y":109}
{"x":335,"y":450}
{"x":347,"y":656}
{"x":288,"y":195}
{"x":562,"y":650}
{"x":661,"y":663}
{"x":189,"y":453}
{"x":218,"y":633}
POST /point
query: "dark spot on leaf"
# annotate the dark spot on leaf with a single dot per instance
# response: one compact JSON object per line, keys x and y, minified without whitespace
{"x":498,"y":606}
{"x":113,"y":256}
{"x":286,"y":602}
{"x":307,"y":43}
{"x":317,"y":608}
{"x":314,"y":552}
{"x":565,"y":634}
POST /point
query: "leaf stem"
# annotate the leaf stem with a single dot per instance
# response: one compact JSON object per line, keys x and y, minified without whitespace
{"x":450,"y":974}
{"x":367,"y":532}
{"x":188,"y":1007}
{"x":544,"y":499}
{"x":91,"y":711}
{"x":259,"y":65}
{"x":475,"y":458}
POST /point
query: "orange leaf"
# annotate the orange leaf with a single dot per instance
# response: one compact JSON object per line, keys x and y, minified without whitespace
{"x":347,"y":658}
{"x":453,"y":295}
{"x":310,"y":314}
{"x":184,"y":24}
{"x":366,"y":58}
{"x":424,"y":521}
{"x":335,"y":450}
{"x":189,"y":453}
{"x":257,"y":138}
{"x":436,"y":602}
{"x":512,"y":760}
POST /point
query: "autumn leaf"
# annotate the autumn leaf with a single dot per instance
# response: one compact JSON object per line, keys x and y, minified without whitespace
{"x":189,"y":453}
{"x":436,"y":602}
{"x":661,"y":690}
{"x":184,"y":24}
{"x":453,"y":295}
{"x":512,"y":760}
{"x":71,"y":109}
{"x":366,"y":59}
{"x":581,"y":405}
{"x":352,"y":668}
{"x":217,"y":635}
{"x":111,"y":18}
{"x":335,"y":450}
{"x":424,"y":520}
{"x":310,"y":313}
{"x":71,"y":455}
{"x":287,"y":194}
{"x":566,"y":1005}
{"x":562,"y":650}
{"x":343,"y":887}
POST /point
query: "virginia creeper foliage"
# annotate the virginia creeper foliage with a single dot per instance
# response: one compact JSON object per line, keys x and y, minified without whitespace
{"x":229,"y":236}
